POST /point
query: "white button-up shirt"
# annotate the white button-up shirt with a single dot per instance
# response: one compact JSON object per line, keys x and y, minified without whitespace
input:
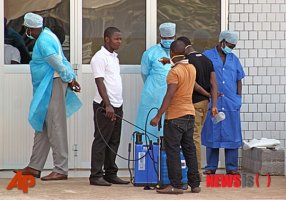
{"x":106,"y":65}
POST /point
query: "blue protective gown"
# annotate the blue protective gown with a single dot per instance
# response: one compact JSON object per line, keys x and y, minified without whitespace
{"x":154,"y":75}
{"x":226,"y":134}
{"x":46,"y":52}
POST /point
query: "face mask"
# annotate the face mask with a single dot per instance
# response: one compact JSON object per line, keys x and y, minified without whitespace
{"x":30,"y":36}
{"x":171,"y":60}
{"x":226,"y":49}
{"x":166,"y":43}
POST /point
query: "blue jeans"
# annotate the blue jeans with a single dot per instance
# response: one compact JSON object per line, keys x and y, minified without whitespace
{"x":179,"y":133}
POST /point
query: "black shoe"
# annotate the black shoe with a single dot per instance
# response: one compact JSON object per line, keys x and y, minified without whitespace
{"x":115,"y":180}
{"x":196,"y":190}
{"x":99,"y":181}
{"x":209,"y":172}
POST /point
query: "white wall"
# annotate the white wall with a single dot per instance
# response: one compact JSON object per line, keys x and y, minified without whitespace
{"x":261,"y":49}
{"x":17,"y":135}
{"x":261,"y":25}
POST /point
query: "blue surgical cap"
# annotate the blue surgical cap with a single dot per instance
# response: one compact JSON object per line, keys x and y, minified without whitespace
{"x":167,"y":29}
{"x":229,"y":36}
{"x":32,"y":20}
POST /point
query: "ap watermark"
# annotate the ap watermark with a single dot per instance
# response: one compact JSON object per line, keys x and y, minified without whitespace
{"x":22,"y":182}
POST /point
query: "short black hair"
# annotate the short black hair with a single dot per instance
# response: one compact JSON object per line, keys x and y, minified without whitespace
{"x":108,"y":32}
{"x":178,"y":47}
{"x":185,"y":40}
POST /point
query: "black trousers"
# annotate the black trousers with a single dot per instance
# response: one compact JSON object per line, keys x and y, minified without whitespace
{"x":102,"y":158}
{"x":179,"y":133}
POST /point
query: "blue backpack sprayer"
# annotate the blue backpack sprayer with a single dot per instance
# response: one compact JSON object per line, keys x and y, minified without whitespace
{"x":150,"y":166}
{"x":151,"y":170}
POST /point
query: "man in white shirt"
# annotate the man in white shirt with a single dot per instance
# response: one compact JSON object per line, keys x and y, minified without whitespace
{"x":107,"y":106}
{"x":11,"y":55}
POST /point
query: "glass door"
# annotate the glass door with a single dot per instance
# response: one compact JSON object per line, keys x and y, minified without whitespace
{"x":130,"y":17}
{"x":16,"y":133}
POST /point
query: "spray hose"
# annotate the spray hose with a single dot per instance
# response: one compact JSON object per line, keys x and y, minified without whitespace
{"x":146,"y":133}
{"x":97,"y":125}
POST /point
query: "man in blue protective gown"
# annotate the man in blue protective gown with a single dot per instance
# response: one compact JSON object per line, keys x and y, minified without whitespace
{"x":53,"y":100}
{"x":226,"y":134}
{"x":154,"y":74}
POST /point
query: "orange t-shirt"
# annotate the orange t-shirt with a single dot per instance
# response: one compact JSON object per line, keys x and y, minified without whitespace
{"x":184,"y":75}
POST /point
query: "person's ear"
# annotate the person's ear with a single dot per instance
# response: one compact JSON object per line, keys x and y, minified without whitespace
{"x":107,"y":39}
{"x":222,"y":43}
{"x":171,"y":53}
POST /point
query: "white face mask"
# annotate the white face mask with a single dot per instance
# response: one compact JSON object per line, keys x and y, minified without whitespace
{"x":29,"y":36}
{"x":177,"y":56}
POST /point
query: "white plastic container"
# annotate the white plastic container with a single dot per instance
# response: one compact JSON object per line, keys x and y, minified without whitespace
{"x":218,"y":117}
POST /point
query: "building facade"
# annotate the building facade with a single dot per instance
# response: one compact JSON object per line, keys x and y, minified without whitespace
{"x":261,"y":25}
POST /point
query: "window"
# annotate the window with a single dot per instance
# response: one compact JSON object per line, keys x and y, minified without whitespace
{"x":56,"y":14}
{"x":198,"y":20}
{"x":128,"y":15}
